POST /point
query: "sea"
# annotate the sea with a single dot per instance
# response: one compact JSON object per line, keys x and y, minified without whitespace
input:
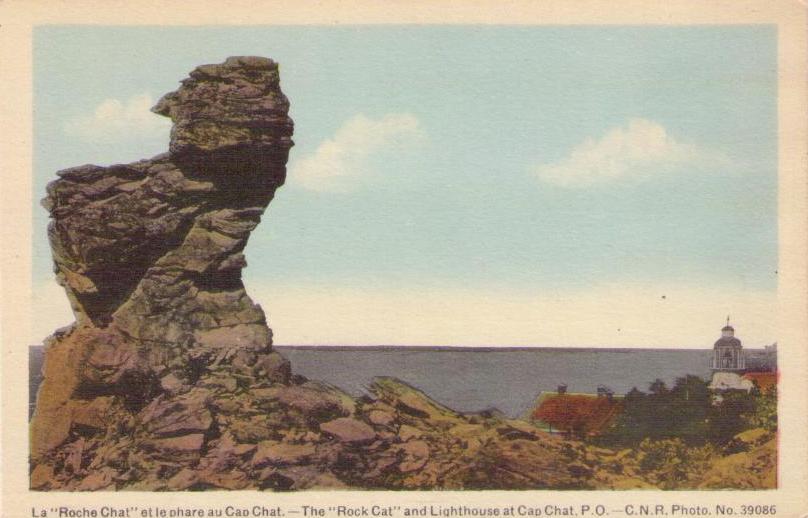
{"x":470,"y":379}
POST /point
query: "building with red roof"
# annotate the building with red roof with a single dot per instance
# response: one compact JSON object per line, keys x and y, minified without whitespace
{"x":578,"y":414}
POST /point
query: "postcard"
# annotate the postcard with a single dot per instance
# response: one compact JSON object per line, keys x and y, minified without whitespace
{"x":405,"y":259}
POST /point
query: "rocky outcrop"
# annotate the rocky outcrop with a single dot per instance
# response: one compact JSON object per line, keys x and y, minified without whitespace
{"x":168,"y":381}
{"x":150,"y":255}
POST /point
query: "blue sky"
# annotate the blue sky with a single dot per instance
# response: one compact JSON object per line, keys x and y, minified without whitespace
{"x":562,"y":167}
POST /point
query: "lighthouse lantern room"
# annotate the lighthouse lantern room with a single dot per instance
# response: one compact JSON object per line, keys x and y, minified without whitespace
{"x":728,"y":352}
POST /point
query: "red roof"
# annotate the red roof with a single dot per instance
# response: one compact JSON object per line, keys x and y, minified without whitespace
{"x":764,"y":380}
{"x":581,"y":413}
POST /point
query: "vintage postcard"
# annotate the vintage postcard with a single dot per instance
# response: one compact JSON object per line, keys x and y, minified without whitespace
{"x":404,"y":260}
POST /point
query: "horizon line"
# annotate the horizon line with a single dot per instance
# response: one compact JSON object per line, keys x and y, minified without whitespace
{"x":487,"y":348}
{"x":493,"y":348}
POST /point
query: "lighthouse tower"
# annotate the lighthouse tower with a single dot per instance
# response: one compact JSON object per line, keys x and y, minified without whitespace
{"x":727,"y":352}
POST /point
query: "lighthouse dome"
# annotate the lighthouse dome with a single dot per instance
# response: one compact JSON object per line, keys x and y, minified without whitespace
{"x":727,"y":341}
{"x":728,"y":337}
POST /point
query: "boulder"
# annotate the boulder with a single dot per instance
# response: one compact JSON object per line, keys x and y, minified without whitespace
{"x":101,"y":479}
{"x":346,"y":429}
{"x":416,"y":455}
{"x":41,"y":476}
{"x":183,"y":480}
{"x":279,"y":453}
{"x":317,"y":401}
{"x":177,"y":447}
{"x":381,"y":418}
{"x":274,"y":368}
{"x":95,"y":414}
{"x":166,"y":417}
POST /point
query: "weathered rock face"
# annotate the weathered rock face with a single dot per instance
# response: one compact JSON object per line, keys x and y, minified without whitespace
{"x":128,"y":236}
{"x":150,"y":253}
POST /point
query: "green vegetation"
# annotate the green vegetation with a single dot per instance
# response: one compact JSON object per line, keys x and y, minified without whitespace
{"x":670,"y":462}
{"x":690,"y":414}
{"x":687,"y":436}
{"x":765,"y":413}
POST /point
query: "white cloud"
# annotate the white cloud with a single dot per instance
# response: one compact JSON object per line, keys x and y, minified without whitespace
{"x":639,"y":148}
{"x":340,"y":162}
{"x":115,"y":119}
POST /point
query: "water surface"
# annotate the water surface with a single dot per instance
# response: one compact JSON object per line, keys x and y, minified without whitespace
{"x":470,"y":379}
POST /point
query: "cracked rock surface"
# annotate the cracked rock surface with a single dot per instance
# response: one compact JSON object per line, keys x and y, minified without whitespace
{"x":150,"y":255}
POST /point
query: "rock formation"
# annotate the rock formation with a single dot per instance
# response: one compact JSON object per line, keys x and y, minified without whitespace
{"x":167,"y":379}
{"x":150,"y":255}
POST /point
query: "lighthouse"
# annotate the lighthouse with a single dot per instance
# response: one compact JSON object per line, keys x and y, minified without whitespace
{"x":728,"y":353}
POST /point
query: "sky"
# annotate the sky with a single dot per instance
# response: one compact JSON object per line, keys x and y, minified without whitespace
{"x":467,"y":185}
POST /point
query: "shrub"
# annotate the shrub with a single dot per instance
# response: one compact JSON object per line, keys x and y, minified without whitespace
{"x":680,"y":412}
{"x":730,"y":416}
{"x":765,"y":412}
{"x":669,"y":462}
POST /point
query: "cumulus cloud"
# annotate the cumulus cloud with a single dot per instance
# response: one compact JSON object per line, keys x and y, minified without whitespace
{"x":341,"y":161}
{"x":639,"y":148}
{"x":114,"y":119}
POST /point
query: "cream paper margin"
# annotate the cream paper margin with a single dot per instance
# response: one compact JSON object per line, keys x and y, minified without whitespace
{"x":16,"y":21}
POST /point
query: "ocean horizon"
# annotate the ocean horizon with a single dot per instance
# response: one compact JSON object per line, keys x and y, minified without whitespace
{"x":471,"y":379}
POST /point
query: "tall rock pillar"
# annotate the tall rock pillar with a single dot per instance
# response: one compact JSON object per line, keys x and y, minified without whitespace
{"x":150,"y":255}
